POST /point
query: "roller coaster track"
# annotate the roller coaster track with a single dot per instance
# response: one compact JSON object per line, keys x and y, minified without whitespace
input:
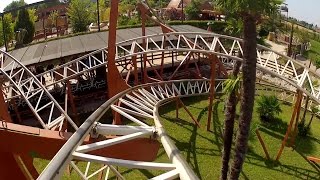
{"x":279,"y":65}
{"x":24,"y":82}
{"x":142,"y":102}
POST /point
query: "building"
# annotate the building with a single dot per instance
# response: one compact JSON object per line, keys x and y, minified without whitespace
{"x":45,"y":27}
{"x":174,"y":10}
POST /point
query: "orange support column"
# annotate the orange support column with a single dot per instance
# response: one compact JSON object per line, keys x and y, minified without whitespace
{"x":295,"y":131}
{"x":115,"y":83}
{"x":289,"y":129}
{"x":135,"y":70}
{"x":263,"y":144}
{"x":212,"y":90}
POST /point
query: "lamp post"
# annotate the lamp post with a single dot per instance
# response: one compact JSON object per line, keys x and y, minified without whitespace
{"x":290,"y":43}
{"x":284,"y":8}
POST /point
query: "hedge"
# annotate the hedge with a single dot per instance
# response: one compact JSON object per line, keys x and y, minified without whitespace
{"x":216,"y":26}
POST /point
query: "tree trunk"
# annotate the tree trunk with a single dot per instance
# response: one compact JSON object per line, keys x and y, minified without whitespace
{"x":305,"y":111}
{"x":248,"y":93}
{"x":230,"y":114}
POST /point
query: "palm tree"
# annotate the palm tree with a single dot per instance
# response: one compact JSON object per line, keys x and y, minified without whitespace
{"x":250,"y":12}
{"x":268,"y":107}
{"x":232,"y":87}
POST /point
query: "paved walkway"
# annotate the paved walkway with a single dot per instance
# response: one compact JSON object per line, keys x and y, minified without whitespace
{"x":283,"y":49}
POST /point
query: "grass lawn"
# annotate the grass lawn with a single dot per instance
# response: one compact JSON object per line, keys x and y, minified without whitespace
{"x":314,"y":52}
{"x":203,"y":149}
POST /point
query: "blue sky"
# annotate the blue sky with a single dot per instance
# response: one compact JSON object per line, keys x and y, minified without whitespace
{"x":307,"y":10}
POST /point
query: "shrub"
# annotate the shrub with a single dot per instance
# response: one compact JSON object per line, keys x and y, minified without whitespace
{"x":268,"y":107}
{"x":303,"y":130}
{"x":216,"y":26}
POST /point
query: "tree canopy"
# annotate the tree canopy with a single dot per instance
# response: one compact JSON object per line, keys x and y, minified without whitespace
{"x":8,"y":29}
{"x":193,"y":9}
{"x":14,"y":5}
{"x":81,"y":14}
{"x":25,"y":21}
{"x":255,"y":8}
{"x":53,"y":18}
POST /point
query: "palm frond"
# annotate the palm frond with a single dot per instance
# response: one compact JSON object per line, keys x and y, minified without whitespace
{"x":232,"y":84}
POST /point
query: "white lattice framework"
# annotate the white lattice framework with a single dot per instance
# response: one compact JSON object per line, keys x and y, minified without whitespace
{"x":142,"y":102}
{"x":25,"y":84}
{"x":269,"y":62}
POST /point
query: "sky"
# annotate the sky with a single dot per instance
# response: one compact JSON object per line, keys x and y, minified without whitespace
{"x":307,"y":10}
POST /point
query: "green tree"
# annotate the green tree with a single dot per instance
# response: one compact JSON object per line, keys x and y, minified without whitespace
{"x":54,"y":17}
{"x":14,"y":5}
{"x":8,"y":29}
{"x":33,"y":15}
{"x":24,"y":21}
{"x":250,"y":12}
{"x":234,"y":27}
{"x":81,"y":14}
{"x":193,"y":9}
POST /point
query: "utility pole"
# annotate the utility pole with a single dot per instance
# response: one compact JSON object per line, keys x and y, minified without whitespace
{"x":290,"y":43}
{"x":98,"y":12}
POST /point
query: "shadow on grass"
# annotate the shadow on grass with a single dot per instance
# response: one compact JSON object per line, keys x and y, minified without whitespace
{"x":300,"y":173}
{"x":217,"y":126}
{"x":277,"y":130}
{"x":189,"y":147}
{"x":276,"y":125}
{"x":306,"y":145}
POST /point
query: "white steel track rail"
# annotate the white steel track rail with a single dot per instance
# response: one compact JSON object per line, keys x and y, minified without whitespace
{"x":161,"y":92}
{"x":157,"y":93}
{"x":142,"y":102}
{"x":203,"y":43}
{"x":23,"y":81}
